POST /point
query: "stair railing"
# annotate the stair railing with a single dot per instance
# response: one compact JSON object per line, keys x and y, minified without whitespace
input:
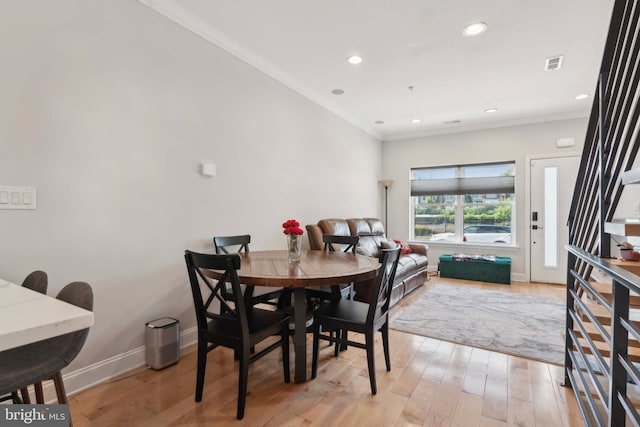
{"x":610,"y":148}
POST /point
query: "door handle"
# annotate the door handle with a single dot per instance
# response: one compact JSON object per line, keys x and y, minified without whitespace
{"x":536,"y":227}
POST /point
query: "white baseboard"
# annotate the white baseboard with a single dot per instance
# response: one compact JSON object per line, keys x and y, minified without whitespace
{"x":518,"y":277}
{"x":108,"y":369}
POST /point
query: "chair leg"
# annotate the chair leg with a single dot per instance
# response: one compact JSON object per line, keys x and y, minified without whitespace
{"x":385,"y":345}
{"x":369,"y":338}
{"x":26,"y":398}
{"x":39,"y":393}
{"x":316,"y":349}
{"x":285,"y":354}
{"x":242,"y":382}
{"x":15,"y":399}
{"x":202,"y":366}
{"x":60,"y":391}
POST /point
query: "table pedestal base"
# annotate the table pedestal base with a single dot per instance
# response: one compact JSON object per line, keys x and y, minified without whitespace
{"x":300,"y":334}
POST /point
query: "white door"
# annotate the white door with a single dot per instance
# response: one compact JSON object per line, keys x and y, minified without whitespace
{"x":552,"y":181}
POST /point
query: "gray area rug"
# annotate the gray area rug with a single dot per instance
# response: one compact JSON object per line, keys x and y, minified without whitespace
{"x":523,"y":325}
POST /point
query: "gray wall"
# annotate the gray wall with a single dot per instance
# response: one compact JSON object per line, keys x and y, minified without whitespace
{"x":107,"y":108}
{"x":507,"y":143}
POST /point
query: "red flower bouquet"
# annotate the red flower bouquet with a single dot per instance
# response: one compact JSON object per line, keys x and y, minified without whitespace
{"x":292,"y":227}
{"x":294,"y":241}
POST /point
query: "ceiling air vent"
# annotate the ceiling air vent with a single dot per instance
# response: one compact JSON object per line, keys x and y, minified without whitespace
{"x":553,"y":63}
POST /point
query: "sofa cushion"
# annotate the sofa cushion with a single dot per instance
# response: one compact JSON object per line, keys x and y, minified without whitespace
{"x":337,"y":227}
{"x":375,"y":225}
{"x":409,"y":264}
{"x":420,"y":259}
{"x":368,"y":246}
{"x":359,"y":227}
{"x":388,"y":244}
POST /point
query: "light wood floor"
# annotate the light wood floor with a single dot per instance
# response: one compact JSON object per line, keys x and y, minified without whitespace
{"x":431,"y":383}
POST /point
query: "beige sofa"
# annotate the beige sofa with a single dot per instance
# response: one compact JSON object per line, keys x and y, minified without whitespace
{"x":412,"y":267}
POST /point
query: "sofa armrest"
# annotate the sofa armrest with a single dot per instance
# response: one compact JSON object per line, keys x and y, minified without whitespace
{"x":419,"y":248}
{"x":314,"y":233}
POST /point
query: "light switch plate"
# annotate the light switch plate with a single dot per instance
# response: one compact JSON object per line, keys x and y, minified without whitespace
{"x":17,"y":197}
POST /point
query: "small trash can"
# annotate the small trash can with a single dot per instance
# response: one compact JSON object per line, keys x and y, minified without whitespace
{"x":162,"y":342}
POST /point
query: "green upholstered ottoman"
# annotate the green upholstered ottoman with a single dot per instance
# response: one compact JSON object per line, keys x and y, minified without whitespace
{"x":476,"y":267}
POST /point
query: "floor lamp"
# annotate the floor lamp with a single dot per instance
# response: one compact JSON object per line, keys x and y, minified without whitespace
{"x":386,"y":183}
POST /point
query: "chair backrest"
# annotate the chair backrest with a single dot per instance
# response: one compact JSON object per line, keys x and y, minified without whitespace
{"x":222,"y":243}
{"x":79,"y":294}
{"x":381,"y":295}
{"x":350,"y":242}
{"x":36,"y":281}
{"x":235,"y":316}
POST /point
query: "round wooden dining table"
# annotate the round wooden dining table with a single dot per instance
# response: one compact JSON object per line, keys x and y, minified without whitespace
{"x":316,"y":268}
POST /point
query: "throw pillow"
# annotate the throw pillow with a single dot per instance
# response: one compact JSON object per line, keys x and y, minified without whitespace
{"x":404,"y":247}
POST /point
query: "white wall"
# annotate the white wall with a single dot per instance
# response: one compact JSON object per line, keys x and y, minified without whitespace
{"x":507,"y":143}
{"x":107,"y":108}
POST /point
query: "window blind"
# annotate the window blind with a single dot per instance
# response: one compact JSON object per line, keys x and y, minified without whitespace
{"x":484,"y":185}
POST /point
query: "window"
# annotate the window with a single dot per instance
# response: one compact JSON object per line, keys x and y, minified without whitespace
{"x":464,"y":203}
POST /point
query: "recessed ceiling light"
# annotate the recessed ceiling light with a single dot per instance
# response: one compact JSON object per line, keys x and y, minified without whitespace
{"x":474,"y":29}
{"x":354,"y":59}
{"x":415,"y":121}
{"x":337,"y":91}
{"x":581,"y":96}
{"x":490,"y":110}
{"x":379,"y":122}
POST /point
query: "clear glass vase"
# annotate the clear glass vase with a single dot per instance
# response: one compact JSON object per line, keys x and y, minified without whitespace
{"x":294,"y":243}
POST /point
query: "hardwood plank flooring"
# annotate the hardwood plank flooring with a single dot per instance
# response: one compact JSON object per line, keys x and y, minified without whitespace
{"x":431,"y":383}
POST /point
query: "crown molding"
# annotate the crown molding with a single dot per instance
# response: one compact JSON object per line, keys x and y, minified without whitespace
{"x":191,"y":22}
{"x":488,"y":125}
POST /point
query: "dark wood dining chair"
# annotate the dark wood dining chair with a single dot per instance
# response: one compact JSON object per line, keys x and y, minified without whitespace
{"x":349,"y":243}
{"x":356,"y":316}
{"x":44,"y":360}
{"x":317,"y":296}
{"x":225,"y":245}
{"x":239,"y":326}
{"x":335,"y":243}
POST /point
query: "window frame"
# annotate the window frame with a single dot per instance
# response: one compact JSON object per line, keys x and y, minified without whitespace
{"x":458,"y":204}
